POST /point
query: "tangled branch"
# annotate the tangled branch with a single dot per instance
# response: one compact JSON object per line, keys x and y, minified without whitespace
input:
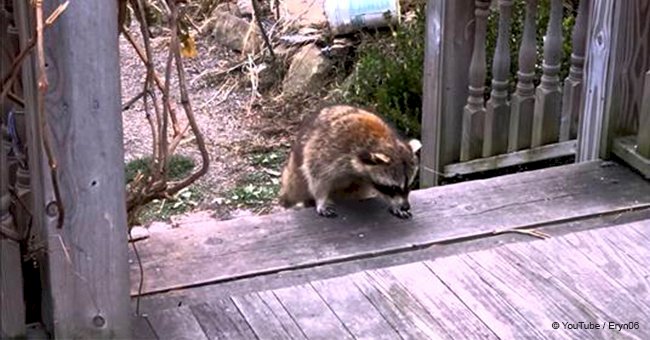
{"x":155,"y":185}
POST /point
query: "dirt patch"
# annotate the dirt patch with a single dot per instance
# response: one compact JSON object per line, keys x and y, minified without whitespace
{"x":247,"y":138}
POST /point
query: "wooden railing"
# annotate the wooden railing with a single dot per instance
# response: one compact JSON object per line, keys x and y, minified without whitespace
{"x":600,"y":108}
{"x":529,"y":124}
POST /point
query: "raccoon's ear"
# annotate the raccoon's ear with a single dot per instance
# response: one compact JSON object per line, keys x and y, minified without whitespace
{"x":373,"y":158}
{"x":415,"y":145}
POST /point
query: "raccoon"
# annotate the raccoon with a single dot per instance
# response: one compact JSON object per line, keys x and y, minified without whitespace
{"x":347,"y":152}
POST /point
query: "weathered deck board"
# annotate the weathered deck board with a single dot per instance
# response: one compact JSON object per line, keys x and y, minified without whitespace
{"x":267,"y":317}
{"x":537,"y":296}
{"x":311,"y":313}
{"x":515,"y":290}
{"x":611,"y":300}
{"x":216,"y":251}
{"x":488,"y":303}
{"x":220,"y":319}
{"x":629,"y":274}
{"x":452,"y":313}
{"x":356,"y":311}
{"x":177,"y":323}
{"x":399,"y":308}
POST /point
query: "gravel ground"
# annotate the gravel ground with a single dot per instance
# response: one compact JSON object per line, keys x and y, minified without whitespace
{"x":230,"y":125}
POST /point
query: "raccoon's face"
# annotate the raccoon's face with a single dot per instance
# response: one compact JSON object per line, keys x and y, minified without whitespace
{"x":391,"y":173}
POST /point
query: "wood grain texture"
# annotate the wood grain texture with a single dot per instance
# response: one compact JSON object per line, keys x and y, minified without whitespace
{"x":643,"y":133}
{"x":615,"y":264}
{"x":626,"y":148}
{"x":537,"y":295}
{"x":267,"y":317}
{"x":211,"y":252}
{"x":141,"y":329}
{"x":399,"y":308}
{"x":356,"y":312}
{"x":12,"y":304}
{"x":220,"y":319}
{"x":448,"y":51}
{"x":441,"y":303}
{"x":41,"y":193}
{"x":311,"y":313}
{"x":603,"y":297}
{"x":598,"y":78}
{"x":507,"y":291}
{"x":176,"y":323}
{"x":87,"y":265}
{"x":630,"y":61}
{"x":619,"y":54}
{"x":487,"y":302}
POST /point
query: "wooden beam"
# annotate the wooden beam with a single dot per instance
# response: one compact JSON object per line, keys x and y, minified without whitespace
{"x":627,"y":149}
{"x":540,"y":153}
{"x":86,"y":270}
{"x":448,"y":50}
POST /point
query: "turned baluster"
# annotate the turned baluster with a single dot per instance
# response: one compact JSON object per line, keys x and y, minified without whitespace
{"x":548,"y":96}
{"x":498,"y":108}
{"x":474,"y":111}
{"x":573,"y":83}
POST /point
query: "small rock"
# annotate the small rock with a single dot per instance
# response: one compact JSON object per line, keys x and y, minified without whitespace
{"x":245,"y":7}
{"x":139,"y":233}
{"x":308,"y":72}
{"x":236,"y":33}
{"x":159,"y":226}
{"x":228,"y":7}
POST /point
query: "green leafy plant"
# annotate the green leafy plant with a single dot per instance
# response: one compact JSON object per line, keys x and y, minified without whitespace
{"x":388,"y":73}
{"x":179,"y":166}
{"x":258,"y":189}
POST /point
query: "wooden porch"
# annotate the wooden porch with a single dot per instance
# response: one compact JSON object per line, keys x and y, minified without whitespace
{"x":498,"y":258}
{"x":475,"y":262}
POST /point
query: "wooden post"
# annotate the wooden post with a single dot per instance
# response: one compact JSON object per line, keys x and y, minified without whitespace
{"x":448,"y":49}
{"x":643,"y":135}
{"x":86,"y":278}
{"x":598,"y":82}
{"x":618,"y":56}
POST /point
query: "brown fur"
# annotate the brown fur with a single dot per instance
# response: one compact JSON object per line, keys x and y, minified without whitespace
{"x":329,"y":158}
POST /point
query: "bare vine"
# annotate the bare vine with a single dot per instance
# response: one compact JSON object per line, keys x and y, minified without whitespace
{"x":156,"y":96}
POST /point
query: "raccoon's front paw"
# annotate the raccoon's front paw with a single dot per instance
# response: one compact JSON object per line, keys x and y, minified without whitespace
{"x":401,"y":213}
{"x":326,"y":211}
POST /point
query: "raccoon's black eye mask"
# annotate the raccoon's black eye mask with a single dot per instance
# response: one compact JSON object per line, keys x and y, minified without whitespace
{"x":390,"y":190}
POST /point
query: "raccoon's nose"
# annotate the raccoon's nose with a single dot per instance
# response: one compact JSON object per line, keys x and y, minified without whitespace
{"x":405,"y":206}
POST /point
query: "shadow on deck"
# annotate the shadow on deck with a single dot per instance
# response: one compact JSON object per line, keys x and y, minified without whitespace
{"x":450,"y":272}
